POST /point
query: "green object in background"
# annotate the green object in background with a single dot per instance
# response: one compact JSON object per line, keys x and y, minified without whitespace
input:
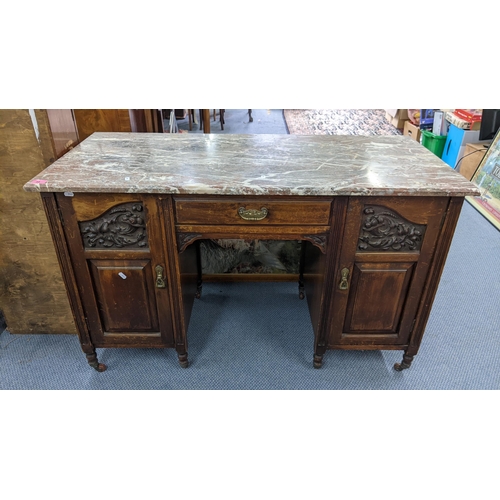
{"x":433,"y":142}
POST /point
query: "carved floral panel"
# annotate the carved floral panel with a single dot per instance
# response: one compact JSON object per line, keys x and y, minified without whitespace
{"x":121,"y":226}
{"x":384,"y":229}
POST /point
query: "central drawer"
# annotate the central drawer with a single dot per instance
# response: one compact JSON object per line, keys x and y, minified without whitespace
{"x":251,"y":210}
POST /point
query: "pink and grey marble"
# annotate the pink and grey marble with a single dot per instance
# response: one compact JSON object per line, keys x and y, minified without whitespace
{"x":251,"y":165}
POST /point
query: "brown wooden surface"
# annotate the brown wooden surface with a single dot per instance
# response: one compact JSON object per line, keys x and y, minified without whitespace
{"x":56,"y":229}
{"x":219,"y":211}
{"x":139,"y":121}
{"x":125,"y":295}
{"x":320,"y":306}
{"x":384,"y":287}
{"x":63,"y":129}
{"x":146,"y":120}
{"x":438,"y":261}
{"x":89,"y":121}
{"x":314,"y":278}
{"x":180,"y":310}
{"x":388,"y":281}
{"x":206,"y":120}
{"x":389,"y":291}
{"x":385,"y":304}
{"x":249,"y":232}
{"x":120,"y":312}
{"x":85,"y":206}
{"x":32,"y":294}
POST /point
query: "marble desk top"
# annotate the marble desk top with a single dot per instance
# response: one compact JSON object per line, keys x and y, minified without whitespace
{"x":319,"y":165}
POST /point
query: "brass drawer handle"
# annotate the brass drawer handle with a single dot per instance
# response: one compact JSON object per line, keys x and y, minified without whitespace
{"x":252,"y":214}
{"x":160,"y":280}
{"x":345,"y":276}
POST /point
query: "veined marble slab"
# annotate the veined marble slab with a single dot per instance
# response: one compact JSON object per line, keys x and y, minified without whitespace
{"x":251,"y":165}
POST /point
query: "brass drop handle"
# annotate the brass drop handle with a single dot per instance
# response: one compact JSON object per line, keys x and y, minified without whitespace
{"x":345,"y":276}
{"x":160,"y":280}
{"x":253,"y":214}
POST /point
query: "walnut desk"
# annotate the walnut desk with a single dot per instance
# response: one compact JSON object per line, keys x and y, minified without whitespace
{"x":376,"y":216}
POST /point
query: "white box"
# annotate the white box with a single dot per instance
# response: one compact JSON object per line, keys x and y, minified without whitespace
{"x":440,"y":125}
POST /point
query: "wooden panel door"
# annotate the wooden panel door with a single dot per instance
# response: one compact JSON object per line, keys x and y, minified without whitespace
{"x":386,"y":253}
{"x":125,"y":295}
{"x":121,"y":268}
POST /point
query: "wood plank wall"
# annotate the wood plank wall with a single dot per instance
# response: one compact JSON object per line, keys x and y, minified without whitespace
{"x":32,"y":294}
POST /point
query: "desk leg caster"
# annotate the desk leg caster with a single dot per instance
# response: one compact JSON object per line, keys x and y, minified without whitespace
{"x":406,"y":363}
{"x":318,"y":360}
{"x":94,"y":363}
{"x":183,"y":360}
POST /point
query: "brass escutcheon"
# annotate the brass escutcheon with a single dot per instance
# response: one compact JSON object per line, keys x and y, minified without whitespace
{"x":160,"y":281}
{"x":252,"y":214}
{"x":345,"y":276}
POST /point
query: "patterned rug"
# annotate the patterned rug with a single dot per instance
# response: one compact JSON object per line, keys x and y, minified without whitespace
{"x":338,"y":122}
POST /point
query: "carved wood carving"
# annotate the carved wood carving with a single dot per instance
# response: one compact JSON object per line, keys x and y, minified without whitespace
{"x":318,"y":240}
{"x":383,"y":229}
{"x":121,"y":226}
{"x":184,"y":239}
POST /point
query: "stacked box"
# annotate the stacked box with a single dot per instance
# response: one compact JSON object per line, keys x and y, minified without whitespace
{"x":396,"y":117}
{"x":412,"y":130}
{"x":461,"y":123}
{"x":440,"y":125}
{"x":426,"y":119}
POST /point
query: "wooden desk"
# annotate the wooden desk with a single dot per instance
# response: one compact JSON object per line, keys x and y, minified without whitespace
{"x":376,"y":216}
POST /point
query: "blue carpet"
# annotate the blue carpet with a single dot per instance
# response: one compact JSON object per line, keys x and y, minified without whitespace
{"x":231,"y":347}
{"x":265,"y":121}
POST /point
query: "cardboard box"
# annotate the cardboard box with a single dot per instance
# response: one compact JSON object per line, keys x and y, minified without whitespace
{"x":412,"y":131}
{"x":396,"y":120}
{"x":401,"y":114}
{"x":471,"y":159}
{"x":469,"y":115}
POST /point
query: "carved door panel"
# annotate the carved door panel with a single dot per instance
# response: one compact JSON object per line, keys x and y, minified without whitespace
{"x":386,"y":252}
{"x":123,"y":276}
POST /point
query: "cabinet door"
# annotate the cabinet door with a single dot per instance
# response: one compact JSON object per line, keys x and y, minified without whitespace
{"x":125,"y":295}
{"x":121,"y":268}
{"x":386,"y":252}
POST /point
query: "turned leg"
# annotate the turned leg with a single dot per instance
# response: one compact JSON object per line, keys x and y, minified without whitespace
{"x":319,"y":352}
{"x":318,"y":360}
{"x":406,"y":363}
{"x":94,"y":363}
{"x":250,"y":119}
{"x":183,"y":359}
